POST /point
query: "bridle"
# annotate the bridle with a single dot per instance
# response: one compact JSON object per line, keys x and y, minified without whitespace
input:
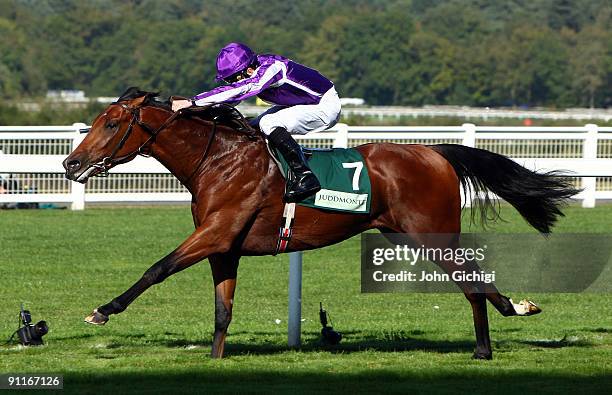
{"x":108,"y":162}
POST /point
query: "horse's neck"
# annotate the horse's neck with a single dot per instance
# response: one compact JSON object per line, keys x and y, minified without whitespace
{"x":181,"y":148}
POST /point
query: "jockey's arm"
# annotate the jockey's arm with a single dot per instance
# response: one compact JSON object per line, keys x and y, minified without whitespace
{"x":264,"y":76}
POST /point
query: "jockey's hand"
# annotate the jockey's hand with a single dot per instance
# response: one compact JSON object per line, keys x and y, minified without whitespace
{"x":178,"y":104}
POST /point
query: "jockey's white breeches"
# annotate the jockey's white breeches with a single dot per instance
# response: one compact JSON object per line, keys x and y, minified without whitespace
{"x":302,"y":119}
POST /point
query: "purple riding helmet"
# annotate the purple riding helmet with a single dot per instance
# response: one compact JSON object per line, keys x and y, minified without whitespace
{"x":232,"y":59}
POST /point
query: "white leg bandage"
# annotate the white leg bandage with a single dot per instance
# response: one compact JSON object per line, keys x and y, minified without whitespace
{"x":525,"y":307}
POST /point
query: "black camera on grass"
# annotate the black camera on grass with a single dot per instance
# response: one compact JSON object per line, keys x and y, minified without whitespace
{"x":30,"y":335}
{"x":328,"y":334}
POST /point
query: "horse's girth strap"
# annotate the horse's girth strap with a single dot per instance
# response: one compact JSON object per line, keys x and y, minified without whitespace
{"x":286,"y":229}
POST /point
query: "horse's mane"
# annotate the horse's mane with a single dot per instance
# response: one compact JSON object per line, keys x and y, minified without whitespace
{"x":224,"y":114}
{"x":151,"y":98}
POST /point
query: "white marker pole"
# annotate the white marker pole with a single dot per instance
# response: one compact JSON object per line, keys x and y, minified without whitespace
{"x":295,"y":299}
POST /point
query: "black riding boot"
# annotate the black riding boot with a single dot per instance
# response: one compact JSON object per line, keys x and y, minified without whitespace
{"x":305,"y":183}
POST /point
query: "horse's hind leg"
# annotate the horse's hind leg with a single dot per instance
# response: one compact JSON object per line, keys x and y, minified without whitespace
{"x":224,"y":270}
{"x":473,"y":291}
{"x":477,"y":293}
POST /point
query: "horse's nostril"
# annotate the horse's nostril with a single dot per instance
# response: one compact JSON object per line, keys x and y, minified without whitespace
{"x":74,"y":165}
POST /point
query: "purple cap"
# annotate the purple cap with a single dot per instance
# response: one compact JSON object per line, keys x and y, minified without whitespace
{"x":233,"y":58}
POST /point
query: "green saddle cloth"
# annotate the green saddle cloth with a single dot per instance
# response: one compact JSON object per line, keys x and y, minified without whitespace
{"x":344,"y":178}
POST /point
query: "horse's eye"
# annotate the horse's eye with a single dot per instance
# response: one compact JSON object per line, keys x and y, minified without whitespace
{"x":111,"y":125}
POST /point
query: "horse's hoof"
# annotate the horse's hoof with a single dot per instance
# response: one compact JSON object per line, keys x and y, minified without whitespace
{"x":96,"y":318}
{"x":485,"y":356}
{"x":526,"y":307}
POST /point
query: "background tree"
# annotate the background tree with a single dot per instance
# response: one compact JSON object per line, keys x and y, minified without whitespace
{"x":590,"y":63}
{"x":407,"y":52}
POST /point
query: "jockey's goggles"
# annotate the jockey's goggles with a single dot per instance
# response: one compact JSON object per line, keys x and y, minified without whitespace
{"x":234,"y":77}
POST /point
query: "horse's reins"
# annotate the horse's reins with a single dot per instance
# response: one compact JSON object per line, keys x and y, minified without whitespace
{"x":210,"y":140}
{"x":109,"y":161}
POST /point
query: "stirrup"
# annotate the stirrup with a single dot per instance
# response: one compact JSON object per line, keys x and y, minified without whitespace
{"x":294,"y":193}
{"x":299,"y":197}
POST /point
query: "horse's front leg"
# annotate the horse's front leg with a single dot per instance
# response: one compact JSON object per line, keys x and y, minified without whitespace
{"x":224,"y":271}
{"x":191,"y":251}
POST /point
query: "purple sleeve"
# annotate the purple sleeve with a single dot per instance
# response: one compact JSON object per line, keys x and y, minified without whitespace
{"x":265,"y":76}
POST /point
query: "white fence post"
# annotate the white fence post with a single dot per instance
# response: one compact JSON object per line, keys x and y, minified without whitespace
{"x":77,"y":190}
{"x":469,"y":140}
{"x":589,"y":151}
{"x":341,"y":140}
{"x":469,"y":134}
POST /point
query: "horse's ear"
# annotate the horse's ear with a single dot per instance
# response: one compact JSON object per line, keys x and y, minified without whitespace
{"x":135,"y":93}
{"x":130,"y":93}
{"x":138,"y":101}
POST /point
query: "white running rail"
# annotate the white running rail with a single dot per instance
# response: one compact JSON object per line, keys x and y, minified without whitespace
{"x":31,"y":159}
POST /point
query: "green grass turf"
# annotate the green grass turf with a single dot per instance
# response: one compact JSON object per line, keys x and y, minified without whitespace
{"x":63,"y":264}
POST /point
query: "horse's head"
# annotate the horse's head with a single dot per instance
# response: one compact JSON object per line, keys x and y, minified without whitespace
{"x":116,"y":136}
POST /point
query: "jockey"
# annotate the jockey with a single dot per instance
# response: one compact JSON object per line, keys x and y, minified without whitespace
{"x":305,"y":101}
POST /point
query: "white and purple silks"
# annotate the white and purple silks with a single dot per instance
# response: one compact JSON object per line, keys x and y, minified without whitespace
{"x":305,"y":100}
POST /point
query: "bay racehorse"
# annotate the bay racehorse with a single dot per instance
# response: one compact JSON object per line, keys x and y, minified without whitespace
{"x":237,"y":204}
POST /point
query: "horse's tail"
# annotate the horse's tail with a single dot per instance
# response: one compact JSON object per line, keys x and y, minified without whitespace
{"x":537,"y":196}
